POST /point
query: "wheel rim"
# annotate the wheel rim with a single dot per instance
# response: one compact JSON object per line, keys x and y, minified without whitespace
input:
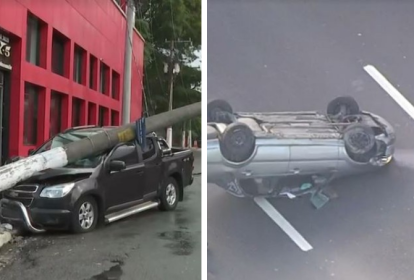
{"x":238,"y":138}
{"x":360,"y":141}
{"x":171,"y":194}
{"x":341,"y":110}
{"x":86,"y":215}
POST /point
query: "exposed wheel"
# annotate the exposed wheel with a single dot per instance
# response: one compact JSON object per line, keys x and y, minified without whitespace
{"x":218,"y":111}
{"x":237,"y":142}
{"x":169,"y":195}
{"x":360,"y":142}
{"x":85,"y":215}
{"x":343,"y":106}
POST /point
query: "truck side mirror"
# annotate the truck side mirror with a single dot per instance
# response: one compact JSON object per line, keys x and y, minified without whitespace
{"x":166,"y":152}
{"x":117,"y":165}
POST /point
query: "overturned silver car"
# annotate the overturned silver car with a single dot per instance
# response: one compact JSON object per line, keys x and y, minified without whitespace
{"x":289,"y":153}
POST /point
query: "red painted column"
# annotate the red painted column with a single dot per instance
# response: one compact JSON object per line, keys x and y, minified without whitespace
{"x":44,"y":127}
{"x":69,"y":58}
{"x":85,"y":69}
{"x":49,"y":39}
{"x":16,"y":98}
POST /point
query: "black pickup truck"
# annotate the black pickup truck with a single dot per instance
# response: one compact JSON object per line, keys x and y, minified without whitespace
{"x":101,"y":189}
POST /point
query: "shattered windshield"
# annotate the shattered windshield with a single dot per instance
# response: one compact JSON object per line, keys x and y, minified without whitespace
{"x":65,"y":138}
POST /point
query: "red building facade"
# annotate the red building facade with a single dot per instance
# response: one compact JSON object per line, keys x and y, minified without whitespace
{"x":61,"y":65}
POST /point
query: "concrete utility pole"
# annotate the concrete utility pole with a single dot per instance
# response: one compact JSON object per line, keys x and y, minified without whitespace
{"x":170,"y":89}
{"x":23,"y":169}
{"x":190,"y":135}
{"x":171,"y":68}
{"x":126,"y":97}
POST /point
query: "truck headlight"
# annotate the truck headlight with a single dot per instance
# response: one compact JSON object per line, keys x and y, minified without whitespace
{"x":57,"y":191}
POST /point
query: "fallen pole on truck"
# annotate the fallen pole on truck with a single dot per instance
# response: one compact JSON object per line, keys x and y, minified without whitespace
{"x":23,"y":169}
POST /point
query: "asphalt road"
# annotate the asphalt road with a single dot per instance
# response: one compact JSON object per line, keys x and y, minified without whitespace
{"x":298,"y":55}
{"x":152,"y":245}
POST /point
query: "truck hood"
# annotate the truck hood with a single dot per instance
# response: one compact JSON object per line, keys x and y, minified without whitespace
{"x":61,"y":173}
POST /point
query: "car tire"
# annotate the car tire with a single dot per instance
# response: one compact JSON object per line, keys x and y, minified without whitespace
{"x":87,"y":207}
{"x":237,"y":143}
{"x":360,"y":142}
{"x":343,"y":106}
{"x":215,"y":110}
{"x":170,"y":192}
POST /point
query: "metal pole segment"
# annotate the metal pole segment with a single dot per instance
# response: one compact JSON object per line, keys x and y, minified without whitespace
{"x":23,"y":169}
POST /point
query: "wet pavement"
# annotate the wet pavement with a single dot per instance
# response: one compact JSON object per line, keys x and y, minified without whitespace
{"x":298,"y":55}
{"x":150,"y":245}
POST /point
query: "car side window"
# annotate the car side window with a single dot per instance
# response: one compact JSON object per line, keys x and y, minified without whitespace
{"x":149,"y":150}
{"x":127,"y":153}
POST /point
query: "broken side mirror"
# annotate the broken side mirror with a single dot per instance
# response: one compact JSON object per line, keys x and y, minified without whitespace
{"x":117,"y":165}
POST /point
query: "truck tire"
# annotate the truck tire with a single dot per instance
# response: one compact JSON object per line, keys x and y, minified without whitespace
{"x":170,"y":192}
{"x":343,"y":106}
{"x":85,"y":215}
{"x":216,"y":111}
{"x":237,"y":143}
{"x":360,"y":142}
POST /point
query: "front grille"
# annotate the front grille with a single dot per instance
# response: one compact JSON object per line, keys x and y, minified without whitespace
{"x":22,"y":193}
{"x":26,"y":188}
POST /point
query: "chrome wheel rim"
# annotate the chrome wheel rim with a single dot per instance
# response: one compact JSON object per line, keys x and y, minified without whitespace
{"x":171,"y":194}
{"x":86,"y":215}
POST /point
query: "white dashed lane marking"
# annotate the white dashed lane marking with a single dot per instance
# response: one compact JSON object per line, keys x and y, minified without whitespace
{"x":390,"y":89}
{"x":283,"y":223}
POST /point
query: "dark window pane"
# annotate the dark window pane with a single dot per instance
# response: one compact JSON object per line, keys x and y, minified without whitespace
{"x":76,"y":112}
{"x":55,"y":114}
{"x":114,"y":118}
{"x":149,"y":149}
{"x":92,"y":72}
{"x":91,"y":114}
{"x":101,"y":115}
{"x":103,"y":79}
{"x":115,"y":85}
{"x":127,"y":153}
{"x":33,"y":40}
{"x":31,"y":97}
{"x":58,"y":56}
{"x":77,"y":67}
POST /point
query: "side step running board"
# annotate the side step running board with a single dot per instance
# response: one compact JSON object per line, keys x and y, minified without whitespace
{"x":130,"y":211}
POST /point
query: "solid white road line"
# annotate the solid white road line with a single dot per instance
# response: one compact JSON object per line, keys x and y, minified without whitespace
{"x":283,"y":223}
{"x":390,"y":89}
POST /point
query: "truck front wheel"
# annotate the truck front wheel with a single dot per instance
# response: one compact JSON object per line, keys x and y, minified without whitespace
{"x":169,"y":195}
{"x":84,"y":215}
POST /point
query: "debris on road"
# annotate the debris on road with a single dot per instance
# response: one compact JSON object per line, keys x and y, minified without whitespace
{"x":5,"y":234}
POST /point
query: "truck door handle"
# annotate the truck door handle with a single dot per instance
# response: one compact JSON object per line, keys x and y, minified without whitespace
{"x":140,"y":172}
{"x":295,"y":170}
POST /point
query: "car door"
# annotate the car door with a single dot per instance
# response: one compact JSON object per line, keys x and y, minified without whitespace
{"x":153,"y":163}
{"x":314,"y":157}
{"x":126,"y":187}
{"x":271,"y":159}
